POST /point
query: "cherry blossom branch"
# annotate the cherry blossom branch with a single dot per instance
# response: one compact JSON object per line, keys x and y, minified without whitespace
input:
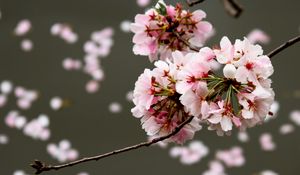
{"x":284,"y":46}
{"x":41,"y":167}
{"x":232,"y":7}
{"x":192,"y":3}
{"x":270,"y":54}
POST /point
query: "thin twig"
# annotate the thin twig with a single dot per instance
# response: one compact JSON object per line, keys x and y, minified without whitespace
{"x":192,"y":3}
{"x":233,"y":8}
{"x":41,"y":167}
{"x":284,"y":46}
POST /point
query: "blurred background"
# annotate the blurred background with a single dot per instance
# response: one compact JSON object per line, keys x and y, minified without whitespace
{"x":95,"y":117}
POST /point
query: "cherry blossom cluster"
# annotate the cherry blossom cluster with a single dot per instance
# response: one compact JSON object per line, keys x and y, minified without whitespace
{"x":158,"y":103}
{"x":36,"y":128}
{"x":14,"y":120}
{"x":65,"y":32}
{"x":71,"y":64}
{"x":100,"y":43}
{"x":232,"y":157}
{"x":98,"y":47}
{"x":190,"y":154}
{"x":25,"y":97}
{"x":166,"y":28}
{"x":63,"y":151}
{"x":185,"y":84}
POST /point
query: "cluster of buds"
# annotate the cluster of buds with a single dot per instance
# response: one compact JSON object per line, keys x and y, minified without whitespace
{"x":166,"y":28}
{"x":185,"y":85}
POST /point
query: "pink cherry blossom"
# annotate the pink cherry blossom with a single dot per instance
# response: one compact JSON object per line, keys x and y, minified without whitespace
{"x":190,"y":154}
{"x":25,"y":97}
{"x":206,"y":95}
{"x":63,"y":151}
{"x":258,"y":36}
{"x":229,"y":71}
{"x":129,"y":95}
{"x":56,"y":29}
{"x":247,"y":64}
{"x":71,"y":64}
{"x":194,"y":101}
{"x":286,"y":129}
{"x":166,"y":28}
{"x":23,"y":27}
{"x":26,"y":45}
{"x":125,"y":26}
{"x":38,"y":128}
{"x":273,"y":111}
{"x":221,"y":117}
{"x":268,"y":172}
{"x":83,"y":173}
{"x":68,"y":35}
{"x":14,"y":120}
{"x":266,"y":142}
{"x":4,"y":139}
{"x":143,"y":3}
{"x":100,"y":43}
{"x":92,"y":86}
{"x":232,"y":158}
{"x":56,"y":103}
{"x":191,"y":74}
{"x":19,"y":172}
{"x":243,"y":136}
{"x":215,"y":168}
{"x":65,"y":32}
{"x":115,"y":107}
{"x":6,"y":87}
{"x":158,"y":105}
{"x":295,"y":117}
{"x":255,"y":107}
{"x":24,"y":103}
{"x":3,"y":100}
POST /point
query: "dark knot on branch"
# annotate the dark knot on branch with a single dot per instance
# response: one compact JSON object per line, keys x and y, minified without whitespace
{"x":39,"y":166}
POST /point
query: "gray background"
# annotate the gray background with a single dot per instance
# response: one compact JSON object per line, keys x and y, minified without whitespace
{"x":89,"y":125}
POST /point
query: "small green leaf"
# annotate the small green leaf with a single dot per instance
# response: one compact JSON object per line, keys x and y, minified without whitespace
{"x":162,"y":10}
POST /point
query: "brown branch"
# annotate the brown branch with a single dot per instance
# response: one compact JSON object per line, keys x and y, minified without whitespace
{"x":192,"y":3}
{"x":284,"y":46}
{"x":41,"y":167}
{"x":233,"y":8}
